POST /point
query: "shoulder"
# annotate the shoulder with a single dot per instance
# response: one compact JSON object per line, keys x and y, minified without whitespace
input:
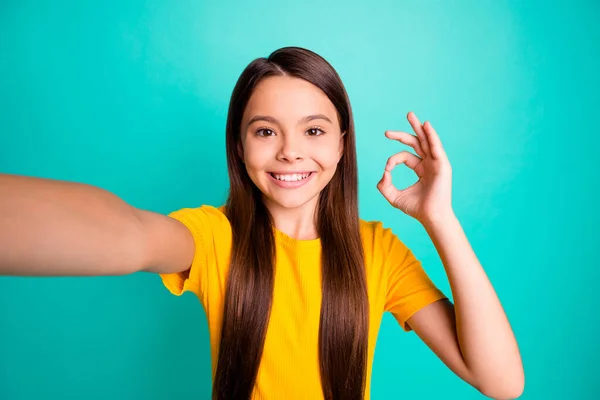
{"x":370,"y":227}
{"x":204,"y":210}
{"x":202,"y":218}
{"x":376,"y":231}
{"x":380,"y":239}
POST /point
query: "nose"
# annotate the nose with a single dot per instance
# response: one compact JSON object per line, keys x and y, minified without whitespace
{"x":291,"y":149}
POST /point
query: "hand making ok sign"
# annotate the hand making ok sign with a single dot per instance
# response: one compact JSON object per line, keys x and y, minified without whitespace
{"x":430,"y":198}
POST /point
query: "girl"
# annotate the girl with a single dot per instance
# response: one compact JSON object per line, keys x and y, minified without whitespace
{"x":293,"y":283}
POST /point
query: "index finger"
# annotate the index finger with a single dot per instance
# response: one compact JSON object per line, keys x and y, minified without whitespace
{"x":407,"y":139}
{"x":418,"y":128}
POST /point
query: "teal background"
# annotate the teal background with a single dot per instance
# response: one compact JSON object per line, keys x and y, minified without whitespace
{"x":132,"y":96}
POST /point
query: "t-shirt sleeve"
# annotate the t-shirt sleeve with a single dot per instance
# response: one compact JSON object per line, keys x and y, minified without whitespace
{"x":409,"y":288}
{"x":198,"y":221}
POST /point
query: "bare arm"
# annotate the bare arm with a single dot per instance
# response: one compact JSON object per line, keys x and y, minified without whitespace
{"x":474,"y":338}
{"x":57,"y":228}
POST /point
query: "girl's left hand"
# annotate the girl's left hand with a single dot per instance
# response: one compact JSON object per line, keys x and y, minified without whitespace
{"x":430,"y":198}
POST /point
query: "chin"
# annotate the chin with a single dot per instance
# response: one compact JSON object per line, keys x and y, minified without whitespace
{"x":291,"y":201}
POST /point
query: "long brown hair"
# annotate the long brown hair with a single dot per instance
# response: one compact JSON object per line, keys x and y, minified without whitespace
{"x":344,"y":323}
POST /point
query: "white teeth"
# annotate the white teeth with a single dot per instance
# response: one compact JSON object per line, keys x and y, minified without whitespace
{"x":291,"y":177}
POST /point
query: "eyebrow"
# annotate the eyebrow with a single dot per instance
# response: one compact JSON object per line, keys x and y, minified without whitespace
{"x":308,"y":118}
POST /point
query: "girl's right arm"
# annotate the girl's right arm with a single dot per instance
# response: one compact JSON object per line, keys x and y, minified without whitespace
{"x":58,"y":228}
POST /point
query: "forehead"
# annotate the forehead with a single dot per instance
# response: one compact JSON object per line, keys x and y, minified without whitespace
{"x":288,"y":99}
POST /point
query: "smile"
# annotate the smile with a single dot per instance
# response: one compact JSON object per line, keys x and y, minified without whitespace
{"x":291,"y":177}
{"x":290,"y":180}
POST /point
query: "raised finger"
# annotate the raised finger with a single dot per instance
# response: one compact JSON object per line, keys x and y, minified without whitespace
{"x":437,"y":150}
{"x":418,"y":128}
{"x":407,"y":139}
{"x":404,"y":157}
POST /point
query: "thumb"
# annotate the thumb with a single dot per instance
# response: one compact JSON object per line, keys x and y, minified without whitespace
{"x":386,"y":187}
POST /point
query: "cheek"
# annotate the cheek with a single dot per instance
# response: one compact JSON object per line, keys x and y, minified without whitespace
{"x":250,"y":154}
{"x":256,"y":157}
{"x":327,"y":157}
{"x":253,"y":170}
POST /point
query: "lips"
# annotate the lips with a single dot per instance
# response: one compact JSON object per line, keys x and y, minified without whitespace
{"x":291,"y":179}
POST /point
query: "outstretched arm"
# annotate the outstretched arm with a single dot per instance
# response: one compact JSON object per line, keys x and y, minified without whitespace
{"x":57,"y":228}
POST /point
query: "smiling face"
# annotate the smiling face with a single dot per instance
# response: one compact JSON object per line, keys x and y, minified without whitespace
{"x":290,"y":141}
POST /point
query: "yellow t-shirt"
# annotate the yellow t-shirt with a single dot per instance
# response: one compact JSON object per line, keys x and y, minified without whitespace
{"x":289,"y":367}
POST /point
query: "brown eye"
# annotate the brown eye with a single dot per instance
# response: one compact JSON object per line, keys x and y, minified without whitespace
{"x":264,"y":132}
{"x":315,"y":132}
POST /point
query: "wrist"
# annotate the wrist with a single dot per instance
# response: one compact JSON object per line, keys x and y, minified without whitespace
{"x":439,"y":220}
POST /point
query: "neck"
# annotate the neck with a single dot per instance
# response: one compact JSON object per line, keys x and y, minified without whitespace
{"x":298,"y":222}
